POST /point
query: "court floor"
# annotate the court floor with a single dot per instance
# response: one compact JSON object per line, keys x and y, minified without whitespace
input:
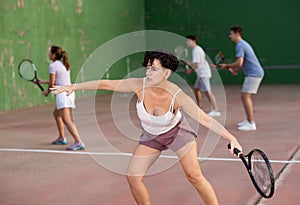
{"x":32,"y":171}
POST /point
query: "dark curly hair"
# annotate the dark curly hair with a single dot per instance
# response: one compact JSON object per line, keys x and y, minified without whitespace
{"x":166,"y":59}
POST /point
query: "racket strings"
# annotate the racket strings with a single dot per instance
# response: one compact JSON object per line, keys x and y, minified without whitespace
{"x":26,"y":70}
{"x":219,"y":58}
{"x":181,"y":52}
{"x":260,"y":172}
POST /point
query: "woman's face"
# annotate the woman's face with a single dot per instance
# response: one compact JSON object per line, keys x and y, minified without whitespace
{"x":156,"y":73}
{"x":51,"y":55}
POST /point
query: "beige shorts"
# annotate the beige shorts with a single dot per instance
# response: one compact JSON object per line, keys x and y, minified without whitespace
{"x":251,"y":85}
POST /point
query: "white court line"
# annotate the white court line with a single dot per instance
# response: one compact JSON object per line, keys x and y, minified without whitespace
{"x":129,"y":154}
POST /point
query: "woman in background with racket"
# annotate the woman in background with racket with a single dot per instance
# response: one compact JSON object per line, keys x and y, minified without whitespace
{"x":59,"y":71}
{"x":164,"y":127}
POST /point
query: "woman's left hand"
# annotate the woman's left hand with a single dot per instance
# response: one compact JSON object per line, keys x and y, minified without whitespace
{"x":46,"y":93}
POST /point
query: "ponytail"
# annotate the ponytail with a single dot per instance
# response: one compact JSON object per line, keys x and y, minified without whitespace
{"x":61,"y":55}
{"x":65,"y":59}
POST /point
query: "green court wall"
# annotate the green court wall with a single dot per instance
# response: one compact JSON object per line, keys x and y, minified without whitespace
{"x":28,"y":28}
{"x":270,"y":26}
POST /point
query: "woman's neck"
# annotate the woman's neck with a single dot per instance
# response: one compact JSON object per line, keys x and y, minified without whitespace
{"x":160,"y":87}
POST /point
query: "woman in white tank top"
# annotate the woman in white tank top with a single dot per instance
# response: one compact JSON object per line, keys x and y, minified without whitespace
{"x":158,"y":107}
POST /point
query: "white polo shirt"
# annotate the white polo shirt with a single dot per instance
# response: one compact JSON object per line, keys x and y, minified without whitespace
{"x":198,"y":56}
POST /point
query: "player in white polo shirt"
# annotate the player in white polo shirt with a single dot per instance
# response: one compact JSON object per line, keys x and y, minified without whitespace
{"x":202,"y":68}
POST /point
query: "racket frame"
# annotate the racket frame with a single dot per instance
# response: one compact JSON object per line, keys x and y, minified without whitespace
{"x":35,"y":78}
{"x":221,"y":58}
{"x":181,"y":57}
{"x":249,"y":169}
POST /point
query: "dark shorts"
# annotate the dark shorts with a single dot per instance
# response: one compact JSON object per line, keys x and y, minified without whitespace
{"x":174,"y":139}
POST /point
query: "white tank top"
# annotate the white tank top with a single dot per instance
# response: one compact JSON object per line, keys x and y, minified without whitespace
{"x":161,"y":124}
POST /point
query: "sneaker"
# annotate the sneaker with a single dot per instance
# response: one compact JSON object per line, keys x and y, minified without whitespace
{"x":214,"y":113}
{"x":60,"y":141}
{"x":248,"y":126}
{"x":242,"y":123}
{"x":76,"y":146}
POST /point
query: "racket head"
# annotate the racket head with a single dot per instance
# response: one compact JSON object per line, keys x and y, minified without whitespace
{"x":27,"y":70}
{"x":181,"y":53}
{"x":216,"y":57}
{"x":261,"y":173}
{"x":219,"y":58}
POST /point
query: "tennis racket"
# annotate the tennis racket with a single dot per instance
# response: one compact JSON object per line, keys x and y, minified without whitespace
{"x":182,"y":55}
{"x":259,"y":169}
{"x":216,"y":57}
{"x":28,"y":72}
{"x":219,"y":58}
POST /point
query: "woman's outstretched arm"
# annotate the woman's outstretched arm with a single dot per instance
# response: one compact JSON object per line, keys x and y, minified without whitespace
{"x":127,"y":85}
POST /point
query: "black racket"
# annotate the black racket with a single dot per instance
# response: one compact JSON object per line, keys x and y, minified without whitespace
{"x":28,"y":72}
{"x":259,"y":169}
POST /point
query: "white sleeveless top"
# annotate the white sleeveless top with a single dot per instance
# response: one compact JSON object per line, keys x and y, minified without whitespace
{"x":161,"y":124}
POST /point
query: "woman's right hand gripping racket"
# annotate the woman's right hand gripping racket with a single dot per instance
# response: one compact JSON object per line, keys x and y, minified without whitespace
{"x":259,"y":169}
{"x":28,"y":72}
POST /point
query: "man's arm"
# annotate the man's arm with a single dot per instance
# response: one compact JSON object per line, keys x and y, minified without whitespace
{"x":236,"y":65}
{"x":192,"y":66}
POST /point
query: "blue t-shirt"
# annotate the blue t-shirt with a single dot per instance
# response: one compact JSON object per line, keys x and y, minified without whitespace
{"x":251,"y":65}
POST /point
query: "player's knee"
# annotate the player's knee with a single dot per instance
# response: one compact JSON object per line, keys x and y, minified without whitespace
{"x":245,"y":95}
{"x":132,"y":180}
{"x":195,"y":177}
{"x":67,"y":121}
{"x":208,"y":93}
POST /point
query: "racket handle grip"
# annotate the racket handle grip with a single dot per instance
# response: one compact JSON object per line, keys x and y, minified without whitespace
{"x":42,"y":89}
{"x":235,"y":150}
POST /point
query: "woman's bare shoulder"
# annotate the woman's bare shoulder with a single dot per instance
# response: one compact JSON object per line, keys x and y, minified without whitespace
{"x":135,"y":83}
{"x":173,"y":87}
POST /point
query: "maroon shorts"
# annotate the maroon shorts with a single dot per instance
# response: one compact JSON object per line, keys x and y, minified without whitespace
{"x":174,"y":139}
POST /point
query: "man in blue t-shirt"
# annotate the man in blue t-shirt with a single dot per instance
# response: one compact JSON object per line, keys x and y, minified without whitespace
{"x":247,"y":61}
